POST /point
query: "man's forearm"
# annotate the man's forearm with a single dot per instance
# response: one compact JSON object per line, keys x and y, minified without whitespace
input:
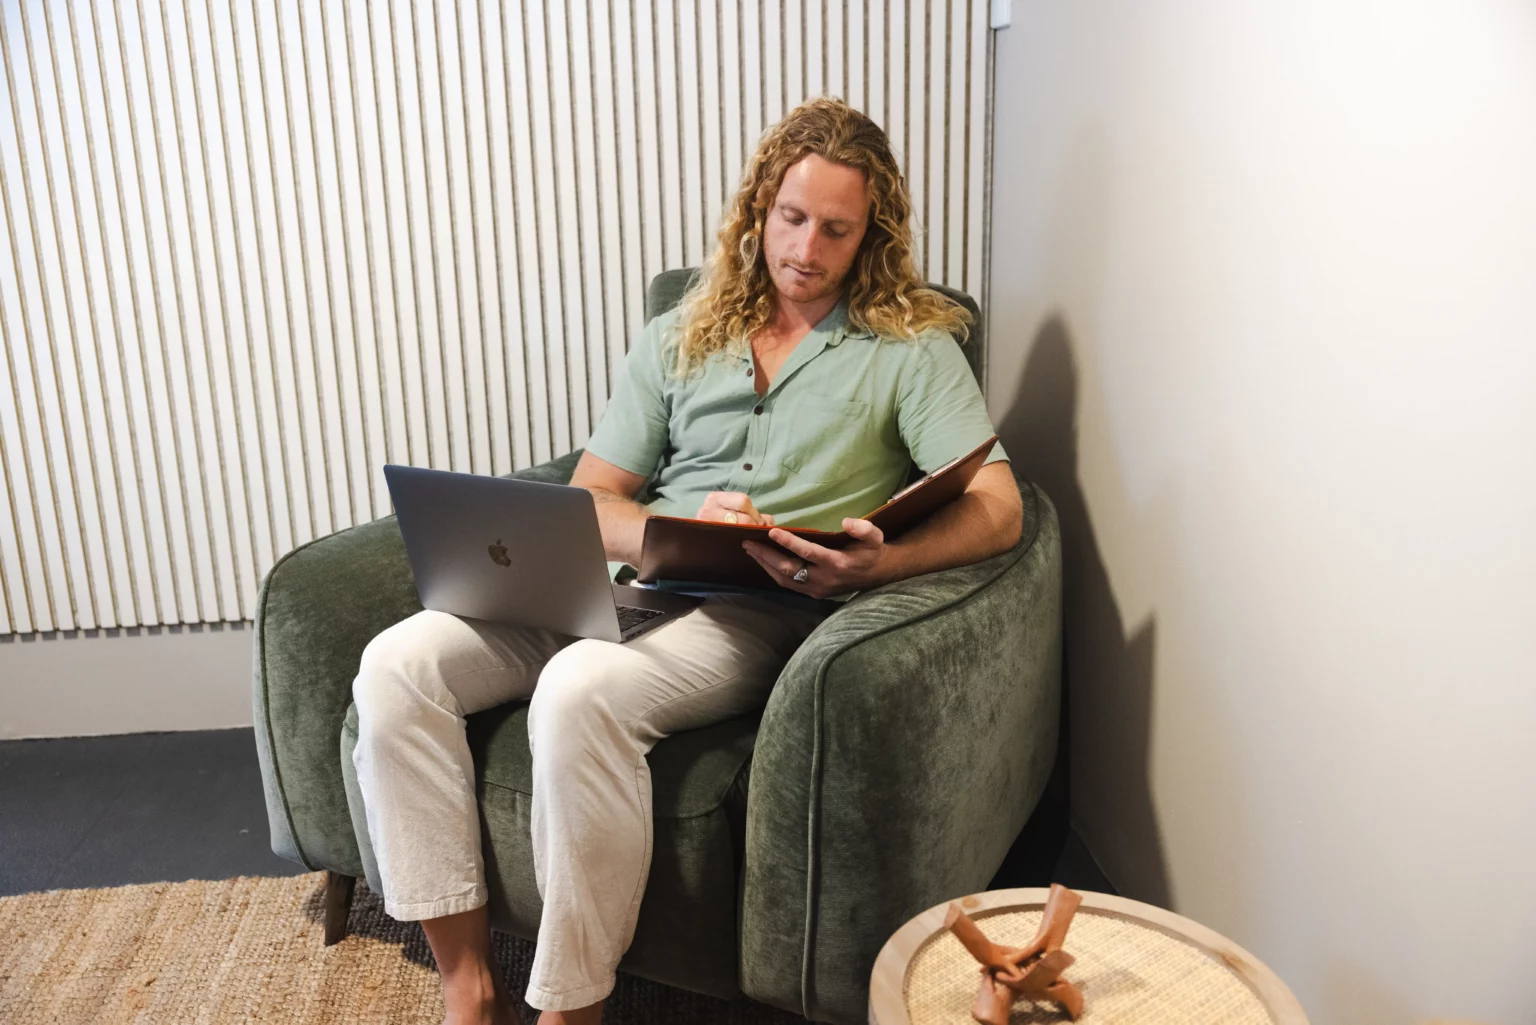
{"x":622,"y":522}
{"x":977,"y":525}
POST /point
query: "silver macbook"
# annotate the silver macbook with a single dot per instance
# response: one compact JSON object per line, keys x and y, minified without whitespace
{"x":519,"y":552}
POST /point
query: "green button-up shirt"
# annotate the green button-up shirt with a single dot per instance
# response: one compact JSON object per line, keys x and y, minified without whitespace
{"x":836,"y":434}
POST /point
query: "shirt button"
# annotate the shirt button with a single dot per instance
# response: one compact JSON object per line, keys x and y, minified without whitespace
{"x":746,"y":466}
{"x":749,"y":371}
{"x":758,"y":411}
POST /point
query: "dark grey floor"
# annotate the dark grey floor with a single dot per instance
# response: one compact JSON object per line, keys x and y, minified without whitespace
{"x":153,"y":807}
{"x":146,"y":807}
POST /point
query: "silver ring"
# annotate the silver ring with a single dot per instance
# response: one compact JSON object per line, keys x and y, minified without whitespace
{"x":730,"y":517}
{"x":802,"y":574}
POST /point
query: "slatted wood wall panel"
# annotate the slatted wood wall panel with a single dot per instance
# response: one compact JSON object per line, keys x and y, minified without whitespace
{"x":252,"y":251}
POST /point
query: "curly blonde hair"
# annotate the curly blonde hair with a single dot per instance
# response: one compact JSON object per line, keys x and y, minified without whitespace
{"x":733,"y":297}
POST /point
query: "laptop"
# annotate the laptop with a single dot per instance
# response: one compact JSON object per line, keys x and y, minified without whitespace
{"x":518,"y":552}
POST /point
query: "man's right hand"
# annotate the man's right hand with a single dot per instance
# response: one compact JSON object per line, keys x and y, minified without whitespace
{"x":732,"y":507}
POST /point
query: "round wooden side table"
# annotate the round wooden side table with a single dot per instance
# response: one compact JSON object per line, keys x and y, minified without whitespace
{"x":1136,"y":965}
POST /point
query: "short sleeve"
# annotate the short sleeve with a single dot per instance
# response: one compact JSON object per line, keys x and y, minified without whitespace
{"x":940,"y":411}
{"x":634,"y":429}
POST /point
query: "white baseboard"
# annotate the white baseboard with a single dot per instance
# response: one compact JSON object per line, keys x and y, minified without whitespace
{"x":134,"y":680}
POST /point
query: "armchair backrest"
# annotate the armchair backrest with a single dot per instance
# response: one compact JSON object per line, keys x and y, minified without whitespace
{"x":667,"y":290}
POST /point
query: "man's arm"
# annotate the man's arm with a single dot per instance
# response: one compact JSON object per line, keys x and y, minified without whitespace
{"x":620,"y":518}
{"x":982,"y":522}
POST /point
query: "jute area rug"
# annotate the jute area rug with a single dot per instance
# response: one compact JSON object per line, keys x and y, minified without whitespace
{"x":250,"y":950}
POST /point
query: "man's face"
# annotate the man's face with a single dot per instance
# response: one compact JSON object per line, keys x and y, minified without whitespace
{"x":814,"y":228}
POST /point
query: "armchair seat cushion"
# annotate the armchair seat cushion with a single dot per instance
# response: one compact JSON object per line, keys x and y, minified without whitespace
{"x":687,"y":931}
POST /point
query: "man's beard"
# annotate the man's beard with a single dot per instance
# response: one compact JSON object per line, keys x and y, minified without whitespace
{"x":823,"y":283}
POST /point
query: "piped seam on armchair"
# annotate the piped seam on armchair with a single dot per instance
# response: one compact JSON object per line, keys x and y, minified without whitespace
{"x":813,"y":811}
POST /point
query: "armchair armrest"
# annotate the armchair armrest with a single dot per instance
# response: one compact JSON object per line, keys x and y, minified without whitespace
{"x":901,"y":752}
{"x":319,"y":607}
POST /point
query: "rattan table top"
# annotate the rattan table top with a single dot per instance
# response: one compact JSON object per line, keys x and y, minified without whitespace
{"x":1136,"y":965}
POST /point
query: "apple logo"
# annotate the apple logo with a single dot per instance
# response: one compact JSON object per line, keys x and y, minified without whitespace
{"x":499,"y":553}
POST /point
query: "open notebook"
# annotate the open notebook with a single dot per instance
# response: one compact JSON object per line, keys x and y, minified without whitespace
{"x":677,"y":548}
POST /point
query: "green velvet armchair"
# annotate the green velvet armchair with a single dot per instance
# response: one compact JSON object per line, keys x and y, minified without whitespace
{"x":899,"y":755}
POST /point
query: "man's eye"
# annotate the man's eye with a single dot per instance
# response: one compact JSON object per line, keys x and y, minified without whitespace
{"x":836,"y":232}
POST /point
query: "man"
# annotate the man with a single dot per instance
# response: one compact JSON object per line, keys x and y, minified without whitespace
{"x":797,"y":383}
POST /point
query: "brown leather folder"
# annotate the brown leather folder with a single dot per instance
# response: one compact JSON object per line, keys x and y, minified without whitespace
{"x":680,"y":549}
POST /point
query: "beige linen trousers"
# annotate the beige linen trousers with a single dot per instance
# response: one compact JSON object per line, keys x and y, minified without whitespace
{"x":596,"y":709}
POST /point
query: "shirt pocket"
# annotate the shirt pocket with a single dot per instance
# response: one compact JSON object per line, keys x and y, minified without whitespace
{"x":827,"y":440}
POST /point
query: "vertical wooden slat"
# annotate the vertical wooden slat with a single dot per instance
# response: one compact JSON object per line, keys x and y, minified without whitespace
{"x":196,"y":398}
{"x":627,"y":146}
{"x":573,"y":194}
{"x":22,"y":553}
{"x":935,"y":121}
{"x":525,"y":336}
{"x":680,"y":132}
{"x":988,"y":76}
{"x":499,"y":419}
{"x":404,"y":321}
{"x":196,"y":534}
{"x":721,"y":151}
{"x":358,"y":394}
{"x":12,"y":516}
{"x":965,"y":156}
{"x":285,"y":264}
{"x":562,"y":314}
{"x":9,"y":624}
{"x":527,"y":149}
{"x":88,"y":390}
{"x":79,"y":543}
{"x":48,"y":320}
{"x":259,"y":255}
{"x":440,"y":338}
{"x":227,"y":380}
{"x":369,"y":262}
{"x":454,"y":298}
{"x":660,"y":149}
{"x":610,"y":259}
{"x":155,"y":527}
{"x":315,"y":340}
{"x":179,"y":482}
{"x":130,"y":551}
{"x":781,"y":31}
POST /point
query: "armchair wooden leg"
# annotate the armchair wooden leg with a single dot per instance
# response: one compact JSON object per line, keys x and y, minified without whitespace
{"x":338,"y":902}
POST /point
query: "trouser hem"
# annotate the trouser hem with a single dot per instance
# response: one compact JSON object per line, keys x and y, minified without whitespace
{"x":435,"y":908}
{"x":543,"y":999}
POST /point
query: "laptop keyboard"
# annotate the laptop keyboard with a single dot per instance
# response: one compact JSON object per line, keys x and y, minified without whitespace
{"x":629,"y":617}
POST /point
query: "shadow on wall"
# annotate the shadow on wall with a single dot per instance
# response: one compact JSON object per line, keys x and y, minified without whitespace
{"x":1107,"y":711}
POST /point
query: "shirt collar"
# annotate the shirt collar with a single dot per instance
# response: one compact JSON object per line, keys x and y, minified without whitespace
{"x":836,"y":325}
{"x":829,"y":331}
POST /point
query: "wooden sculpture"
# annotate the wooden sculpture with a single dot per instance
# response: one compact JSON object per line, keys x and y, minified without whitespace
{"x":1032,"y":972}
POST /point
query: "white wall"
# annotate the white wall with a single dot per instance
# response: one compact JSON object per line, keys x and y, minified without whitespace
{"x":1264,"y":324}
{"x":131,"y":680}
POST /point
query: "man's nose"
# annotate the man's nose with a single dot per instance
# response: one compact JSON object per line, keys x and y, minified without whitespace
{"x":806,"y":247}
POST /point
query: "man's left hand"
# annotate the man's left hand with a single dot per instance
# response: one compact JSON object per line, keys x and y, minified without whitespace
{"x":829,"y":571}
